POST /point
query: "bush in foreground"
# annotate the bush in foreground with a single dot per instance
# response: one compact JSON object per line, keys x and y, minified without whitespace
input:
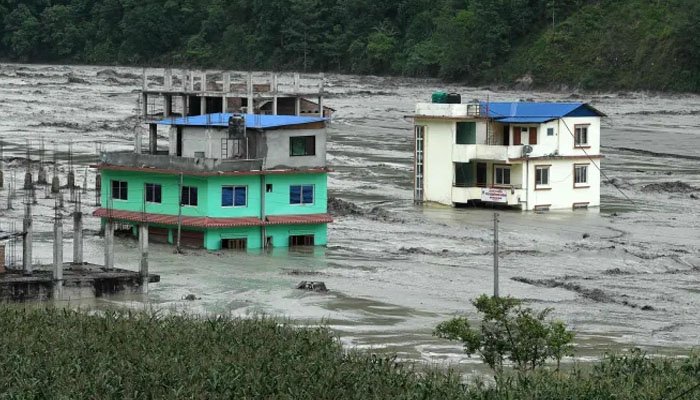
{"x":62,"y":354}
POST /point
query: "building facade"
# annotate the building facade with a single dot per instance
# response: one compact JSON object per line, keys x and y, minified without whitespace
{"x":223,"y":181}
{"x":531,"y":156}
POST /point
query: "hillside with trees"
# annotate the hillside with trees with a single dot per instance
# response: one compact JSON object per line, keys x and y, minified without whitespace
{"x":591,"y":44}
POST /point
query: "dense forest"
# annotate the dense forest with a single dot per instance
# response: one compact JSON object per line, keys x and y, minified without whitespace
{"x":591,"y":44}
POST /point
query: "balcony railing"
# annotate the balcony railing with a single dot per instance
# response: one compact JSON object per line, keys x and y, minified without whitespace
{"x":468,"y":152}
{"x":168,"y":162}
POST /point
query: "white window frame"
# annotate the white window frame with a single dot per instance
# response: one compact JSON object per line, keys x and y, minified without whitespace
{"x":578,"y":131}
{"x":495,"y":175}
{"x":189,"y":196}
{"x":301,"y":193}
{"x":550,"y":130}
{"x":119,"y":183}
{"x":542,"y":185}
{"x":584,"y":183}
{"x":153,"y":185}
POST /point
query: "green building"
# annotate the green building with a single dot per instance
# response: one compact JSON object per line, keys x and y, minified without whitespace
{"x":225,"y":181}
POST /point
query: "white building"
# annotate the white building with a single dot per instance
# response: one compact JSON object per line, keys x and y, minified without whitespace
{"x":533,"y":156}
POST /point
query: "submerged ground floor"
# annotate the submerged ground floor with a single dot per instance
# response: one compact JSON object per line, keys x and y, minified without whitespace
{"x":233,"y":238}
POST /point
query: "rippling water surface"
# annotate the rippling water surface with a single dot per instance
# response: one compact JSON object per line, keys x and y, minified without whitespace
{"x":397,"y":270}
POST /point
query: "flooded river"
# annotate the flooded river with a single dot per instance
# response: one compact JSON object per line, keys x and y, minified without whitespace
{"x":395,"y":270}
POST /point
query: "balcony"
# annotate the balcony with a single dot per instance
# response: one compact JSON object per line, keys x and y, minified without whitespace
{"x":464,"y":153}
{"x":440,"y":110}
{"x":174,"y":163}
{"x":498,"y":195}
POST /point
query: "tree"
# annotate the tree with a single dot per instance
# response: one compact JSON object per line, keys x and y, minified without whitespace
{"x":510,"y":332}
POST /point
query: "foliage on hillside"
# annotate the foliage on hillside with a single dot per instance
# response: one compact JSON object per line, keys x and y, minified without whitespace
{"x":590,"y":43}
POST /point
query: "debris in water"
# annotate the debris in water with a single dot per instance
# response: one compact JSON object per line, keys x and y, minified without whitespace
{"x":670,"y":187}
{"x":586,"y":235}
{"x":313,"y":286}
{"x":191,"y":297}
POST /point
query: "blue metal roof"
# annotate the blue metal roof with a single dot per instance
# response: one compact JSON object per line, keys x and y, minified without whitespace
{"x":252,"y":121}
{"x":535,"y":113}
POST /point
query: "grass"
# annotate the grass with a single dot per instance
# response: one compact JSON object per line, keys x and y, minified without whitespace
{"x":64,"y":354}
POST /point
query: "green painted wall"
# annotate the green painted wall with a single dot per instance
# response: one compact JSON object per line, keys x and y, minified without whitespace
{"x":213,"y":237}
{"x":209,"y":194}
{"x":277,"y":201}
{"x":280,"y":233}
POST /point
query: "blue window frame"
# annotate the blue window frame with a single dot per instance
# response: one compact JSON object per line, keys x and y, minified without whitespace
{"x":301,"y":194}
{"x":234,"y":196}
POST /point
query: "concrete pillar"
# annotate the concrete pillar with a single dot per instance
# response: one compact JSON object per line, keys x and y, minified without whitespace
{"x":77,"y":237}
{"x":297,"y":106}
{"x":27,"y":240}
{"x":224,"y":104}
{"x":226,"y":82}
{"x":145,"y":79}
{"x":249,"y":90}
{"x":167,"y":106}
{"x":184,"y":106}
{"x":27,"y":180}
{"x":297,"y":82}
{"x":320,"y":106}
{"x":202,"y":105}
{"x":190,"y":79}
{"x":274,"y":87}
{"x":41,"y":179}
{"x":203,"y":82}
{"x":55,"y":184}
{"x":58,"y":257}
{"x":168,"y":79}
{"x":71,"y":179}
{"x":144,"y":106}
{"x":143,"y":250}
{"x":109,"y":244}
{"x":138,"y":142}
{"x":152,"y":138}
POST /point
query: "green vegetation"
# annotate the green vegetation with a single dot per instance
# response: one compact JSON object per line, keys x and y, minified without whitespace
{"x":121,"y":355}
{"x":510,"y":332}
{"x":595,"y":44}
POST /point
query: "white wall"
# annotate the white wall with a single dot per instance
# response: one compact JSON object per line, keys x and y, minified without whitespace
{"x":438,"y":170}
{"x":562,"y":194}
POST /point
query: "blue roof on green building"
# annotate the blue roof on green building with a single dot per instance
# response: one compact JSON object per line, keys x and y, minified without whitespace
{"x":253,"y":121}
{"x":535,"y":112}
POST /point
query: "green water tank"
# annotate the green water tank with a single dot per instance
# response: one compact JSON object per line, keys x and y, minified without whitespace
{"x":439,"y":97}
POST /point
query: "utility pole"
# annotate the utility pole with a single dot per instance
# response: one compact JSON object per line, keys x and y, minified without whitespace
{"x":495,"y":254}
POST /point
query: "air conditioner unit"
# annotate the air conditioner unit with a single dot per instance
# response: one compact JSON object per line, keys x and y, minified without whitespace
{"x":527,"y":149}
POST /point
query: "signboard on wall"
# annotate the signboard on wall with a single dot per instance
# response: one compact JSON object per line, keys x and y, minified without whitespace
{"x":494,"y":195}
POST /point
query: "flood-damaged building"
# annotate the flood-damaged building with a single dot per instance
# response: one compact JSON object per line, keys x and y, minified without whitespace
{"x":224,"y":180}
{"x":527,"y":155}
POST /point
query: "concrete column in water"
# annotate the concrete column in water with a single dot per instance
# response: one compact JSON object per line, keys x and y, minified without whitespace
{"x":168,"y":106}
{"x":27,"y":180}
{"x":109,"y":244}
{"x":58,"y":257}
{"x":202,"y":105}
{"x":27,"y":240}
{"x":77,"y":237}
{"x":143,"y":249}
{"x":41,"y":179}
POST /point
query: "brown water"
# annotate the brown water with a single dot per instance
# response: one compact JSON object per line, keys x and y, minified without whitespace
{"x":398,"y":270}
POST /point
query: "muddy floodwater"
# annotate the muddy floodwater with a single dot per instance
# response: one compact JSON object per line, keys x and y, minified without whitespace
{"x":394,"y":269}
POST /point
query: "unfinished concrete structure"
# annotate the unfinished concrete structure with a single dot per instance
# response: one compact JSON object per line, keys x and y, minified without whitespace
{"x":187,"y":93}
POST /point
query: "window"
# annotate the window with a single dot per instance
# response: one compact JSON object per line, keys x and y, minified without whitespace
{"x":581,"y":135}
{"x":301,"y":240}
{"x":198,"y":154}
{"x":234,"y":196}
{"x":302,"y":146}
{"x":301,"y":194}
{"x":188,"y":196}
{"x":268,"y":188}
{"x":234,"y":244}
{"x":466,"y":133}
{"x":550,"y":131}
{"x":153,"y":193}
{"x":542,"y":176}
{"x":501,"y":176}
{"x":120,"y":190}
{"x":580,"y":175}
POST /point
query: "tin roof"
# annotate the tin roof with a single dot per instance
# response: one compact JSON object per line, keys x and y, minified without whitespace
{"x":253,"y":121}
{"x":534,"y":112}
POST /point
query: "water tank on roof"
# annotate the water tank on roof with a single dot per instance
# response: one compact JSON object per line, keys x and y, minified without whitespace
{"x":439,"y":97}
{"x":236,"y":126}
{"x":454,"y":98}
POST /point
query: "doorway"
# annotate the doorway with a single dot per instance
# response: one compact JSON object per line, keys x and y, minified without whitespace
{"x":481,"y":174}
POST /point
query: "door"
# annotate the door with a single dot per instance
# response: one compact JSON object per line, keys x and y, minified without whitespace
{"x":157,"y":235}
{"x":192,"y":239}
{"x":533,"y":136}
{"x":481,"y":174}
{"x":517,"y":136}
{"x":506,"y":135}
